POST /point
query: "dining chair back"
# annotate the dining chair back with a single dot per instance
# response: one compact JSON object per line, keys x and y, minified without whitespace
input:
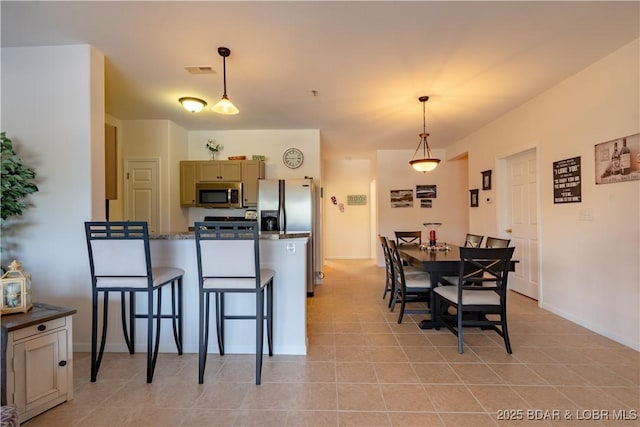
{"x":481,"y":290}
{"x":228,"y":256}
{"x":409,"y":288}
{"x":388,"y":268}
{"x":120,"y":262}
{"x":473,"y":240}
{"x":494,"y":242}
{"x":408,"y":237}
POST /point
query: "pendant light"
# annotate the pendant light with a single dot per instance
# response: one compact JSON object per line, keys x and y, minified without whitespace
{"x":192,"y":105}
{"x":224,"y":106}
{"x":427,"y":162}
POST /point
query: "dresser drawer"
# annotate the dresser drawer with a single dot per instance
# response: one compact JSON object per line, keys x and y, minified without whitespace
{"x":40,"y":328}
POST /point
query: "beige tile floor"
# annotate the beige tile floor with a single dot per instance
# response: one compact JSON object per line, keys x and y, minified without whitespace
{"x":364,"y":369}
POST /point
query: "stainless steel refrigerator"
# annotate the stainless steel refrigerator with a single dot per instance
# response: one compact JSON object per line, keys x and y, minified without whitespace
{"x":288,"y":206}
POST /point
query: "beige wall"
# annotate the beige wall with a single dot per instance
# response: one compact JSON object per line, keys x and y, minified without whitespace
{"x":450,"y":207}
{"x":46,"y":95}
{"x":590,"y":270}
{"x":347,"y":232}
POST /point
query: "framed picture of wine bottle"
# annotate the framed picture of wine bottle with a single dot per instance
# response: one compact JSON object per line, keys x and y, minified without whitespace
{"x":618,"y":160}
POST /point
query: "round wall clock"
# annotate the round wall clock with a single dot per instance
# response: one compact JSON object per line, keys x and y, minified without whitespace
{"x":293,"y":158}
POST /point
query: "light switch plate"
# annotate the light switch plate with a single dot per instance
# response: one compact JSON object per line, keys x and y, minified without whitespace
{"x":585,"y":214}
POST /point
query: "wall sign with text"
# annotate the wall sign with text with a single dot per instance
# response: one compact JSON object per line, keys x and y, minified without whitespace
{"x":356,"y":199}
{"x":567,"y":181}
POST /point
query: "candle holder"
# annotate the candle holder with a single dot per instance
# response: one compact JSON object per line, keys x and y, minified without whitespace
{"x":433,"y":238}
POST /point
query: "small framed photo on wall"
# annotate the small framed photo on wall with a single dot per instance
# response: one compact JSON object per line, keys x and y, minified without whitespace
{"x":473,"y":198}
{"x":486,"y":179}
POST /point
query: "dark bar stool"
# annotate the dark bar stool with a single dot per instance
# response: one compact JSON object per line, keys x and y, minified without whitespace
{"x":120,"y":261}
{"x":228,"y":255}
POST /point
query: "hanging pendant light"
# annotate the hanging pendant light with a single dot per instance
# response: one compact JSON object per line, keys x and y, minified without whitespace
{"x":427,"y":162}
{"x":225,"y":106}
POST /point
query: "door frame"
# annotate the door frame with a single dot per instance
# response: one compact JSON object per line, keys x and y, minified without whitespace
{"x":126,"y":185}
{"x":502,"y":211}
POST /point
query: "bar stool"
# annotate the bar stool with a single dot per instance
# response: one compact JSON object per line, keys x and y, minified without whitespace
{"x":120,"y":261}
{"x":228,"y":255}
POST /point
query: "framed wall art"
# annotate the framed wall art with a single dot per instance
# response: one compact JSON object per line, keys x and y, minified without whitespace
{"x":473,"y":198}
{"x":567,"y":181}
{"x":426,"y":191}
{"x":618,"y":160}
{"x":486,"y":179}
{"x":401,"y":198}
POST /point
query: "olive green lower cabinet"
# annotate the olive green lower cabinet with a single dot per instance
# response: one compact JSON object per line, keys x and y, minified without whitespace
{"x":38,"y":372}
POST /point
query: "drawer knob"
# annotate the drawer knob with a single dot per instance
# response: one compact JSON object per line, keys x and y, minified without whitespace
{"x":62,"y":363}
{"x":42,"y":327}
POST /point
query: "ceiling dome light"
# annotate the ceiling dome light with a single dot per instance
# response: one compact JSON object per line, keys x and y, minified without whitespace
{"x":193,"y":105}
{"x":427,"y":162}
{"x":225,"y":106}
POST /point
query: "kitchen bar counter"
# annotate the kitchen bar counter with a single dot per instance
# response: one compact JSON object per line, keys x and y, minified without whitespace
{"x":286,"y":255}
{"x":187,"y":235}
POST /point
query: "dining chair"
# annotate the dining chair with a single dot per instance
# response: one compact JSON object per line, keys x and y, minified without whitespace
{"x":473,"y":240}
{"x":228,"y":256}
{"x":408,"y":237}
{"x":388,"y":269}
{"x":120,"y":262}
{"x":470,"y":241}
{"x":482,"y":291}
{"x":409,"y":288}
{"x":494,"y":242}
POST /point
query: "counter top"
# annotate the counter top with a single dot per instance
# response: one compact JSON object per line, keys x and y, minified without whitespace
{"x":38,"y":314}
{"x":187,"y":235}
{"x":288,"y":258}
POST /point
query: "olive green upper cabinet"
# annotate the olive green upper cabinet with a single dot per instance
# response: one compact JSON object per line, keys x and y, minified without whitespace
{"x":219,"y":170}
{"x":252,"y":170}
{"x":188,"y":183}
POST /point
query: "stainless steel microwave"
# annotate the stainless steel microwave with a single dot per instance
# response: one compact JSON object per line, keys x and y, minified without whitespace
{"x":219,"y":194}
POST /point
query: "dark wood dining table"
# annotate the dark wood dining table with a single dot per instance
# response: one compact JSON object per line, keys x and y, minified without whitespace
{"x":437,"y":263}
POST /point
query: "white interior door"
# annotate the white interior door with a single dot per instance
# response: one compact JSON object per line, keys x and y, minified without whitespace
{"x":141,"y":178}
{"x":521,"y":221}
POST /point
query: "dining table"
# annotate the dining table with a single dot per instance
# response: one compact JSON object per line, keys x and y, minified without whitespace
{"x":439,"y":261}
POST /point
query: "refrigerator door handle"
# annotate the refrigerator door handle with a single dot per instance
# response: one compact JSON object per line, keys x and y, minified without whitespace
{"x":282,"y":212}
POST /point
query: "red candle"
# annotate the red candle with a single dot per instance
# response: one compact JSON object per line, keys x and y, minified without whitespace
{"x":432,"y":235}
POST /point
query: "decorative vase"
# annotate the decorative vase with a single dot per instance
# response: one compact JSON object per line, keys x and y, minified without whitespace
{"x":212,"y":155}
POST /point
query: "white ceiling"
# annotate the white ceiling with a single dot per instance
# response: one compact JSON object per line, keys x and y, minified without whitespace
{"x":368,"y":61}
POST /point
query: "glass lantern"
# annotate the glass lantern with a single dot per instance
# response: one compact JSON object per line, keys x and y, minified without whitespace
{"x":433,"y":239}
{"x":16,"y":290}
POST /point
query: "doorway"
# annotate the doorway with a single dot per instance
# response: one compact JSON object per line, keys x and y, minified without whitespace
{"x":142,"y":192}
{"x":519,"y":219}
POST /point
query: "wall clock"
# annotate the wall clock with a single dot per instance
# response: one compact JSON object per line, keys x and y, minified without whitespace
{"x":293,"y":158}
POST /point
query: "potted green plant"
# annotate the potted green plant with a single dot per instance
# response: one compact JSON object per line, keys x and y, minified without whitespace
{"x":17,"y":181}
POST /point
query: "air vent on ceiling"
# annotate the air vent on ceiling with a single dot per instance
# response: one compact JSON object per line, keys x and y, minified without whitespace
{"x":199,"y":69}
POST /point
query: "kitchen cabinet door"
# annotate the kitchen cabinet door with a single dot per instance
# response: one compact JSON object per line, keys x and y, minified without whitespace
{"x":219,"y":170}
{"x":187,"y":184}
{"x":252,"y":170}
